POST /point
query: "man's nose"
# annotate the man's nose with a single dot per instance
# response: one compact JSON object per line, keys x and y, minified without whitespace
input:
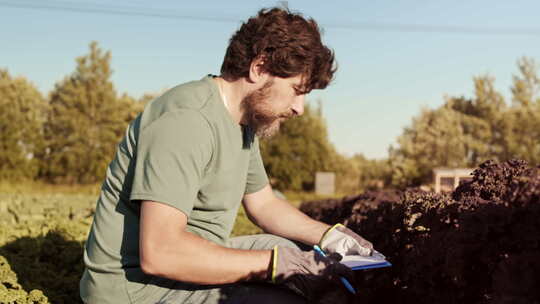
{"x":298,"y":105}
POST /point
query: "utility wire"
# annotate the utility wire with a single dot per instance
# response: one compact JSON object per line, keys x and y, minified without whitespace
{"x":419,"y":28}
{"x":131,"y":11}
{"x":111,"y":11}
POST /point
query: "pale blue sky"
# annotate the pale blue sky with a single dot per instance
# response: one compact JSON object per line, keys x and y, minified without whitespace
{"x":388,"y":69}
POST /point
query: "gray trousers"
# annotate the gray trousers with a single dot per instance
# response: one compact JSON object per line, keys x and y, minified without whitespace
{"x":259,"y":293}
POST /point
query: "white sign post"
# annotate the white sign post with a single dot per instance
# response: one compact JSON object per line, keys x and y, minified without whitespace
{"x":325,"y":183}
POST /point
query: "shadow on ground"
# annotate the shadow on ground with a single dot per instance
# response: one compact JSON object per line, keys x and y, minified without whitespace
{"x":49,"y":263}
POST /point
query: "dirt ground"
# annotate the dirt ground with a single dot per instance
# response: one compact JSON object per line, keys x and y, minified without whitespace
{"x":478,"y":244}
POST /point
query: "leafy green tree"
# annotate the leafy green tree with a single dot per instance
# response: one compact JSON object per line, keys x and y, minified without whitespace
{"x":372,"y":173}
{"x":85,"y":122}
{"x":483,"y":120}
{"x":347,"y":175}
{"x":131,"y":107}
{"x":476,"y":129}
{"x":21,"y":119}
{"x":298,"y":151}
{"x":522,"y":138}
{"x":490,"y":107}
{"x":358,"y":173}
{"x":526,"y":88}
{"x":436,"y":138}
{"x":465,"y":132}
{"x":461,"y":133}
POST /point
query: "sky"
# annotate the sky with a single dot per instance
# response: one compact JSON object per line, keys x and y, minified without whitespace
{"x":394,"y":57}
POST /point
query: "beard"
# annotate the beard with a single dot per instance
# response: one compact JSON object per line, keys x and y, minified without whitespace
{"x":258,"y":113}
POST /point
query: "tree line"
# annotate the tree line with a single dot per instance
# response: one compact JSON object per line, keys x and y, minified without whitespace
{"x":70,"y":136}
{"x":465,"y":131}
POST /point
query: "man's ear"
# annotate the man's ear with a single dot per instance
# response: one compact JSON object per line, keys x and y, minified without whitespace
{"x":256,"y":71}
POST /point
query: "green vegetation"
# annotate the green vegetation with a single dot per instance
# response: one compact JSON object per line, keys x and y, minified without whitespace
{"x":86,"y":121}
{"x":300,"y":149}
{"x":43,"y":228}
{"x":70,"y":136}
{"x":41,"y":240}
{"x":464,"y":132}
{"x":54,"y":149}
{"x":12,"y":292}
{"x":21,"y":122}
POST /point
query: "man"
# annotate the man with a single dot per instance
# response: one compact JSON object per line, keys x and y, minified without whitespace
{"x":168,"y":204}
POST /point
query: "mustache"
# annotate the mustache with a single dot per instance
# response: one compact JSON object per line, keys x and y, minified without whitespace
{"x":287,"y":115}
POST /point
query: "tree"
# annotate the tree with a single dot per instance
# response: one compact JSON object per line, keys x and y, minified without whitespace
{"x":85,"y":122}
{"x":131,"y":107}
{"x":298,"y":151}
{"x":461,"y":133}
{"x":526,"y":88}
{"x":21,"y":119}
{"x":522,"y":138}
{"x":436,"y":138}
{"x":374,"y":173}
{"x":359,"y":173}
{"x":466,"y":132}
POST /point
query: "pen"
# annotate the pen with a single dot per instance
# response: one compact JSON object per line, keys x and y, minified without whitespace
{"x":343,"y":280}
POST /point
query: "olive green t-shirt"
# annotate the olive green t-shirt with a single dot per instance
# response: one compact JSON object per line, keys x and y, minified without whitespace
{"x":185,"y":151}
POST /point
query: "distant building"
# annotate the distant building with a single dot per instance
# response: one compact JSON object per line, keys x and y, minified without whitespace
{"x":448,"y":179}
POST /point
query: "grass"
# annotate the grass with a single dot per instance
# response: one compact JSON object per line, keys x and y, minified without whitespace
{"x":32,"y":201}
{"x":36,"y":187}
{"x":21,"y":204}
{"x":43,"y":228}
{"x":42,"y":231}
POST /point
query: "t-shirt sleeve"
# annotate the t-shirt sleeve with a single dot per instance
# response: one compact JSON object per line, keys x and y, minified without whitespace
{"x":256,"y":177}
{"x":172,"y":155}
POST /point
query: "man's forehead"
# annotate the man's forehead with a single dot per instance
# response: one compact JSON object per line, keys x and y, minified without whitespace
{"x":301,"y":82}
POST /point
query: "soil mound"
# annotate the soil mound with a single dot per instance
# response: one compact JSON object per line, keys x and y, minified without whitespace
{"x":478,"y":244}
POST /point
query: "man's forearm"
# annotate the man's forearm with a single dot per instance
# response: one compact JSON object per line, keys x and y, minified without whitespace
{"x":280,"y":218}
{"x":195,"y":260}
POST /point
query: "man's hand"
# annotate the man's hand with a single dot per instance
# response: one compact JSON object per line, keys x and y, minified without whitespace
{"x":342,"y":240}
{"x":306,"y":272}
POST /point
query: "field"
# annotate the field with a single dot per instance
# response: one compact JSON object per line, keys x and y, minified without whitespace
{"x":42,"y":231}
{"x":478,"y":244}
{"x":41,"y":240}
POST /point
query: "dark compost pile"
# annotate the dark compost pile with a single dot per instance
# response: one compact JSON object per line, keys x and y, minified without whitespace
{"x":479,"y":244}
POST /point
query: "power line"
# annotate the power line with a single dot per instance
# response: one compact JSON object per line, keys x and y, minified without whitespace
{"x":137,"y":12}
{"x":111,"y":11}
{"x":419,"y":28}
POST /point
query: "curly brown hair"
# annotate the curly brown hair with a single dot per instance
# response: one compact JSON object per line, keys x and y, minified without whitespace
{"x":289,"y":44}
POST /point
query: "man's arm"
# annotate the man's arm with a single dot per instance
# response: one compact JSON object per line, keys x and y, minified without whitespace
{"x":167,"y":250}
{"x":278,"y":217}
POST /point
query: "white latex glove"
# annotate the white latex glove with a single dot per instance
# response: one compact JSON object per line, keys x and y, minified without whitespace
{"x":344,"y":241}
